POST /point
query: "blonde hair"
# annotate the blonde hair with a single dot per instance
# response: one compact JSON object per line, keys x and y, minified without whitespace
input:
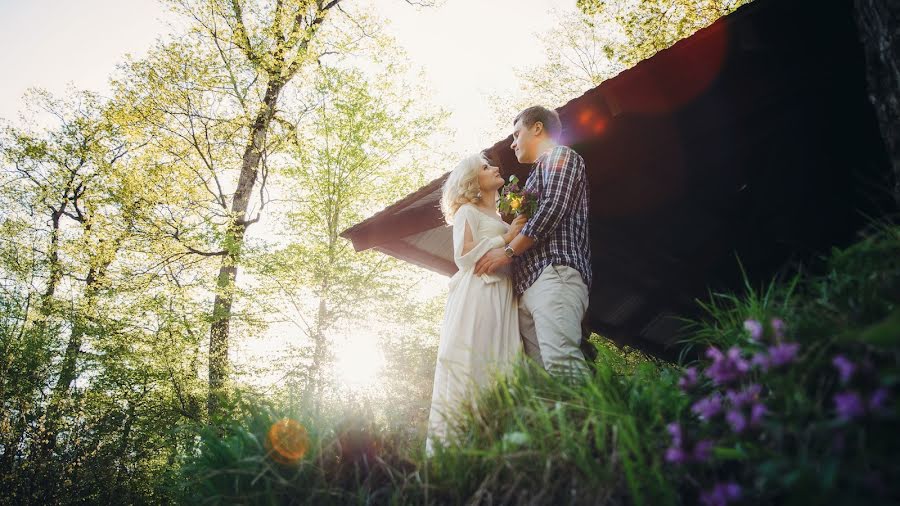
{"x":461,"y":186}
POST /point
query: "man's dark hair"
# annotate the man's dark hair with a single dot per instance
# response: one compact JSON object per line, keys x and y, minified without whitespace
{"x":547,"y":117}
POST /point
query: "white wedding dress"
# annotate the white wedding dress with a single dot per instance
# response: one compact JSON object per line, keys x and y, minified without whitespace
{"x":480,"y":329}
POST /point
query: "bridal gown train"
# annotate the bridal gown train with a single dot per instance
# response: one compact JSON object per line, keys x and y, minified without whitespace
{"x":480,"y":330}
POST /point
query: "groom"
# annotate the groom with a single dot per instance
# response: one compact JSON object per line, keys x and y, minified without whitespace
{"x":551,"y":256}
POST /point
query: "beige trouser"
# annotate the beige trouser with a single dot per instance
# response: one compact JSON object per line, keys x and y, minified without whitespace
{"x":550,"y":314}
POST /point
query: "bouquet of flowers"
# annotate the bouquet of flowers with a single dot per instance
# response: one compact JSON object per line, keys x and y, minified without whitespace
{"x":515,"y":201}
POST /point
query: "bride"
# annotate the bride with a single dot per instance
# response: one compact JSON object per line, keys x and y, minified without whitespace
{"x":480,"y":329}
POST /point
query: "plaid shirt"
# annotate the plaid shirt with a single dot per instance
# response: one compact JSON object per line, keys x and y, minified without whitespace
{"x":560,"y":225}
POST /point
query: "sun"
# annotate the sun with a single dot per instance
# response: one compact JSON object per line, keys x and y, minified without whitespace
{"x":359,"y":362}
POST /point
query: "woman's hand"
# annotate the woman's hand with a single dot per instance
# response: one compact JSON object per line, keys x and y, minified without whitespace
{"x":515,"y":227}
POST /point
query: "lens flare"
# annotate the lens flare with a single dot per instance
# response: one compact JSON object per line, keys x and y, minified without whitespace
{"x":585,"y":116}
{"x":663,"y":85}
{"x":359,"y":444}
{"x":287,"y":441}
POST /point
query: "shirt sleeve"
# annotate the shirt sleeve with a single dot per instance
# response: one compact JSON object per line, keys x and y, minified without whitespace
{"x":561,"y":172}
{"x":462,"y":217}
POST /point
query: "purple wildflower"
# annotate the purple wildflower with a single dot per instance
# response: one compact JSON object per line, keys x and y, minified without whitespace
{"x":736,"y":419}
{"x":721,"y":494}
{"x":848,"y":405}
{"x":726,"y":368}
{"x":844,"y":366}
{"x":734,"y":354}
{"x":782,"y":354}
{"x":676,"y":455}
{"x":753,"y":390}
{"x":745,"y":396}
{"x":708,"y":407}
{"x":703,"y":450}
{"x":778,"y":326}
{"x":757,"y":412}
{"x":689,"y":380}
{"x":754,"y":328}
{"x":714,"y":353}
{"x":878,"y":399}
{"x":761,"y":360}
{"x":674,"y":430}
{"x":734,"y":397}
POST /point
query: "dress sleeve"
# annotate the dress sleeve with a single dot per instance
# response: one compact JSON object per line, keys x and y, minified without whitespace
{"x":465,"y":215}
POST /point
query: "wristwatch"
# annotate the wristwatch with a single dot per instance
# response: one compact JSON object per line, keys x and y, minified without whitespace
{"x":509,"y":251}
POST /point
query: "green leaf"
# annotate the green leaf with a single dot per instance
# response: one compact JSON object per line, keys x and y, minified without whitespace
{"x":829,"y":471}
{"x":885,"y":333}
{"x":721,"y":452}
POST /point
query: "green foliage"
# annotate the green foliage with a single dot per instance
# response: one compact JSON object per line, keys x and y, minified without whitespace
{"x":115,"y":216}
{"x":83,"y":380}
{"x":349,"y":460}
{"x":528,"y":430}
{"x":514,"y":201}
{"x":117,"y":213}
{"x":856,"y":288}
{"x":364,"y":144}
{"x":650,"y":25}
{"x":533,"y":439}
{"x":814,"y":444}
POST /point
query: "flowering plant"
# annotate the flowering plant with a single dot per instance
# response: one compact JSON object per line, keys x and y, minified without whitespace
{"x":747,"y":401}
{"x":515,"y":201}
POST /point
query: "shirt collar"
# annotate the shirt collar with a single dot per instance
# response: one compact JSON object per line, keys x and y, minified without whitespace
{"x":543,"y":155}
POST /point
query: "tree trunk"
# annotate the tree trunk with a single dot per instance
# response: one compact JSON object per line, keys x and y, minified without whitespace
{"x":46,"y":305}
{"x":45,"y":308}
{"x":69,"y":367}
{"x":124,"y":441}
{"x":877,"y":21}
{"x":234,"y":239}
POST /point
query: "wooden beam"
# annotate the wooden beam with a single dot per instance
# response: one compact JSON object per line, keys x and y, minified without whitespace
{"x":397,"y":207}
{"x":397,"y":226}
{"x":409,"y":253}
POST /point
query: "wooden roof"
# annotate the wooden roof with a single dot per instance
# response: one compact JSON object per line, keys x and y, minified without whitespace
{"x":751,"y":139}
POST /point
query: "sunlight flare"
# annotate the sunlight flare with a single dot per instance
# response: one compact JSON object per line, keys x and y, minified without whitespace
{"x":359,"y":361}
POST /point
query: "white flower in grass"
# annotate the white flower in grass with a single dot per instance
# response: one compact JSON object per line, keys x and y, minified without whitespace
{"x":514,"y":439}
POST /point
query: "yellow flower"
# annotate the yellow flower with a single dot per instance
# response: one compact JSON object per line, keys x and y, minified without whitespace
{"x":515,"y":203}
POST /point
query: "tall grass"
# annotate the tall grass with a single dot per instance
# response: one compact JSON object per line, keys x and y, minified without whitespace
{"x":533,"y":439}
{"x":809,"y":450}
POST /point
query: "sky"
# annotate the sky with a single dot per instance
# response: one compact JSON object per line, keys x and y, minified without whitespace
{"x":468,"y":50}
{"x":50,"y":43}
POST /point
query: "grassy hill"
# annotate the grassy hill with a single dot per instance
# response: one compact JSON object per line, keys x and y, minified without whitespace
{"x":791,"y":399}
